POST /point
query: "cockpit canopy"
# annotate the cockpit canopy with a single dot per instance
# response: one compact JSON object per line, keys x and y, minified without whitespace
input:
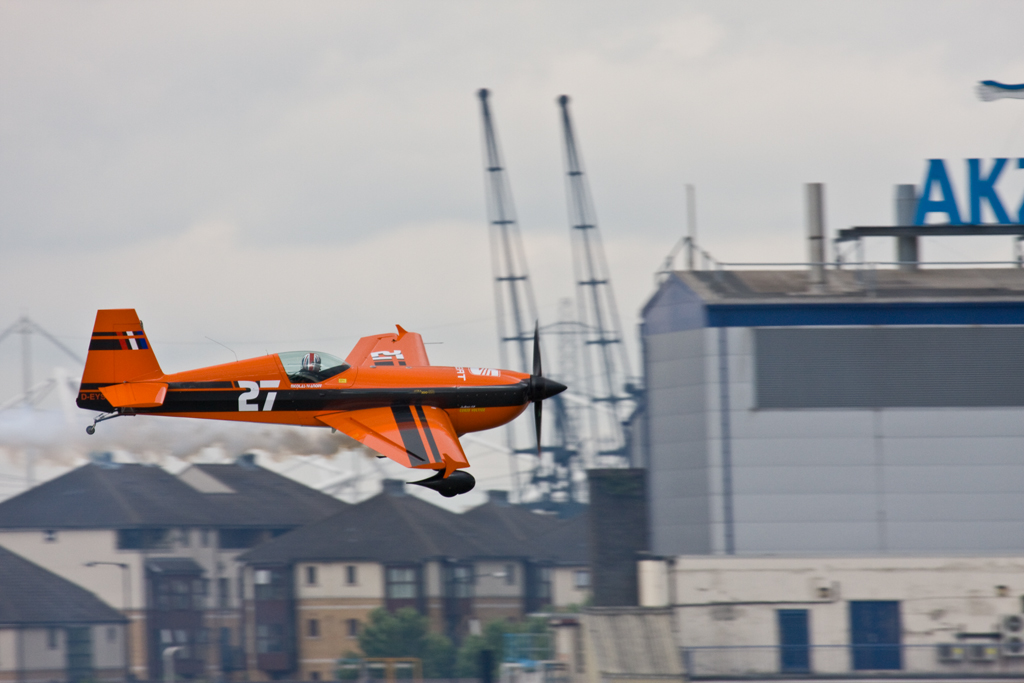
{"x":311,"y":366}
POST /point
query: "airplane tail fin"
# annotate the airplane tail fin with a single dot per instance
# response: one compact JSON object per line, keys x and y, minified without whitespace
{"x":119,"y":351}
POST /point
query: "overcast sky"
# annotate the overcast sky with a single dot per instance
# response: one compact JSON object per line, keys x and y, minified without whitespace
{"x":279,"y":175}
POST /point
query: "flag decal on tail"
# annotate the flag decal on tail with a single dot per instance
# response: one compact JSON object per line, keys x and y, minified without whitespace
{"x":119,"y":341}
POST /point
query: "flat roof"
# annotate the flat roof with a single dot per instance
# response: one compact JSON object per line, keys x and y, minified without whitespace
{"x":945,"y":230}
{"x":849,"y":285}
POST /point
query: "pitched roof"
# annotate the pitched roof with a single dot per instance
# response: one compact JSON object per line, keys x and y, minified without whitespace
{"x":33,"y":595}
{"x":568,"y":543}
{"x":392,"y":528}
{"x":511,"y":528}
{"x":129,"y":496}
{"x":386,"y":528}
{"x":94,"y":496}
{"x":265,"y":498}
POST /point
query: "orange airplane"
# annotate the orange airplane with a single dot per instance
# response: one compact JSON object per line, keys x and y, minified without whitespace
{"x":385,"y":394}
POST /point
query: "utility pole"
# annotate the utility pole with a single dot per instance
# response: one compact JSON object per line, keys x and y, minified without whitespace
{"x":605,"y":364}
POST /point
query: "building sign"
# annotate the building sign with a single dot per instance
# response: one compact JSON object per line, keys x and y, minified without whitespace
{"x":937,"y":195}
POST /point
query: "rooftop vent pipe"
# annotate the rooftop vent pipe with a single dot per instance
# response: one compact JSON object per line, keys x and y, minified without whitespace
{"x":816,"y":234}
{"x":906,"y":246}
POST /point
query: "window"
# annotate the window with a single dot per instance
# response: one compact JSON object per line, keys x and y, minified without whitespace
{"x":199,"y":592}
{"x":204,"y":538}
{"x":50,"y":536}
{"x":181,"y":640}
{"x":51,"y":639}
{"x":583,"y":578}
{"x":311,"y":576}
{"x":236,"y":539}
{"x":179,"y":593}
{"x":223,"y":593}
{"x":353,"y":628}
{"x":272,"y":584}
{"x":269,"y":638}
{"x":313,"y":628}
{"x":510,"y":575}
{"x":111,"y":634}
{"x":402,"y":583}
{"x":143,"y":539}
{"x":351,"y":578}
{"x":323,"y":365}
{"x":544,"y":583}
{"x":184,"y":538}
{"x":460,"y":581}
{"x":314,"y":675}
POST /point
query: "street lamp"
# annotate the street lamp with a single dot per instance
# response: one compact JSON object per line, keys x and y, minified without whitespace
{"x":126,"y":597}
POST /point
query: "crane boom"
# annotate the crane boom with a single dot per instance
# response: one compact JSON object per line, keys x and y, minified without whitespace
{"x":605,"y":363}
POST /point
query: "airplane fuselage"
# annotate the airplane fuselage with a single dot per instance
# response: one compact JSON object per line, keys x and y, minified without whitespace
{"x":259,"y":390}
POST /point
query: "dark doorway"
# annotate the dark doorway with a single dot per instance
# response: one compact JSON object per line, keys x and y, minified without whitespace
{"x":875,"y":635}
{"x":794,"y":641}
{"x":79,"y":654}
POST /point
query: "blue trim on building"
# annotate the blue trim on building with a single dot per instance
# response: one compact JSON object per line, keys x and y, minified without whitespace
{"x":855,"y":313}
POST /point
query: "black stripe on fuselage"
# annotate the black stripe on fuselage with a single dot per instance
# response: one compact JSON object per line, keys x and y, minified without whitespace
{"x":105,"y":345}
{"x":104,"y":334}
{"x":410,"y":435}
{"x":226,"y":400}
{"x":201,"y":385}
{"x":430,"y":434}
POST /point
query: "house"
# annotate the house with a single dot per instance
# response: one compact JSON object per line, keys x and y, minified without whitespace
{"x":54,"y":631}
{"x":309,"y":591}
{"x":162,"y":548}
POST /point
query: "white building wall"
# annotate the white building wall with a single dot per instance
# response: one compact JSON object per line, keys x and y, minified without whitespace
{"x":564,"y":588}
{"x":732,"y":602}
{"x":493,"y":580}
{"x":108,"y":651}
{"x":68,"y":552}
{"x":332,"y":580}
{"x":35,"y":652}
{"x":8,"y":649}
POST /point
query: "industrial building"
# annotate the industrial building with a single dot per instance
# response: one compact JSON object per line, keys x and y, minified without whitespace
{"x":837,"y":408}
{"x":879,"y":412}
{"x":759,"y":617}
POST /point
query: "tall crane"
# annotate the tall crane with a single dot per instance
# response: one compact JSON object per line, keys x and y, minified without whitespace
{"x":549,"y":483}
{"x":605,"y":363}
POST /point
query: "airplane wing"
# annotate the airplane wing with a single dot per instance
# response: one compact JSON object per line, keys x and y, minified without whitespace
{"x":411,"y":435}
{"x":387,"y":350}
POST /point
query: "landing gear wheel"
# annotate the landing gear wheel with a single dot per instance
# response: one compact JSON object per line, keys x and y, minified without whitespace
{"x":90,"y":429}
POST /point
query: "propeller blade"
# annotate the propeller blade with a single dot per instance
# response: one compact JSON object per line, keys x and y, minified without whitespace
{"x":536,"y":349}
{"x":537,"y":406}
{"x":536,"y":379}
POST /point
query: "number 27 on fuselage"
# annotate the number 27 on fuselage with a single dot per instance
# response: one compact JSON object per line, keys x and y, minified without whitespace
{"x":385,"y":394}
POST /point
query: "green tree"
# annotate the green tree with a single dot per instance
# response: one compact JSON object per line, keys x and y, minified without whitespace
{"x":467,"y":663}
{"x":406,"y":633}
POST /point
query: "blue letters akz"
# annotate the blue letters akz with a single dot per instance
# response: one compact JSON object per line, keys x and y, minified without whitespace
{"x":982,"y":189}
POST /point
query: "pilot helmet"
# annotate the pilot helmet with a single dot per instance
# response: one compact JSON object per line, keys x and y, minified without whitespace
{"x":311,"y":362}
